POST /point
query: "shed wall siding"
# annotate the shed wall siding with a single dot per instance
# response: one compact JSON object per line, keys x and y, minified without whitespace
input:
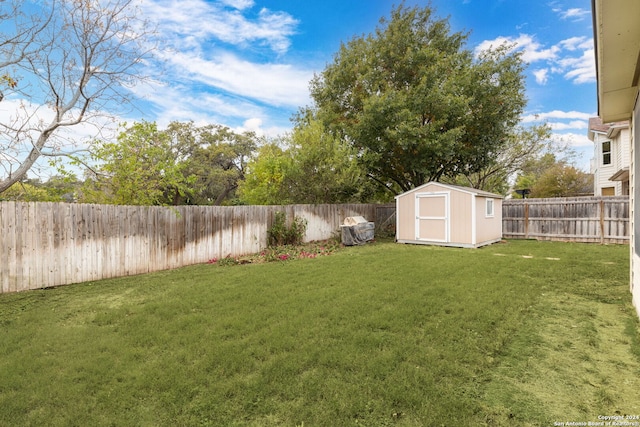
{"x":461,"y":218}
{"x":405,"y":214}
{"x":488,"y":228}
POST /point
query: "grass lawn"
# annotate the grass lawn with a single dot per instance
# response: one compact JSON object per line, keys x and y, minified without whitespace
{"x":522,"y":333}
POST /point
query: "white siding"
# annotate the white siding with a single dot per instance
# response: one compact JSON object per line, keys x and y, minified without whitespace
{"x":635,"y":211}
{"x":620,"y":159}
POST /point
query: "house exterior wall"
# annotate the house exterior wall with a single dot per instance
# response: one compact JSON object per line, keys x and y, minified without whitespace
{"x":617,"y":47}
{"x":624,"y":154}
{"x":634,"y":213}
{"x":602,"y":172}
{"x":620,"y":158}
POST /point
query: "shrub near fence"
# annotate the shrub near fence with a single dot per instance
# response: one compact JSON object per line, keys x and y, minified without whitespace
{"x":577,"y":219}
{"x":51,"y":244}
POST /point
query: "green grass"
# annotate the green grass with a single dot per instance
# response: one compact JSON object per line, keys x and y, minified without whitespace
{"x":519,"y":333}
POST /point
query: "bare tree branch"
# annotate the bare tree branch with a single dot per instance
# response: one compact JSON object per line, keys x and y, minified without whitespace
{"x":72,"y":60}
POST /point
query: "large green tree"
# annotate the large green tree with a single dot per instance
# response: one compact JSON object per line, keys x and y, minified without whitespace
{"x":563,"y":180}
{"x":546,"y":176}
{"x":183,"y":164}
{"x":55,"y":189}
{"x":218,"y":161}
{"x":310,"y":165}
{"x":140,"y":168}
{"x":264,"y":183}
{"x":415,"y":105}
{"x":322,"y":168}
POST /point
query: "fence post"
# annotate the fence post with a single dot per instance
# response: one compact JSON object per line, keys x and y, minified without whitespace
{"x":526,"y":219}
{"x":601,"y":222}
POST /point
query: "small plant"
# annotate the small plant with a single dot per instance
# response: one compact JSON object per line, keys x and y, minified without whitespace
{"x":228,"y":260}
{"x":297,"y":231}
{"x":283,"y":253}
{"x":280,"y":234}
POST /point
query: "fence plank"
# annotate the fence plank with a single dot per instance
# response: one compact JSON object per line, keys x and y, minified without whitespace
{"x":579,"y":219}
{"x":51,"y":244}
{"x":7,"y":245}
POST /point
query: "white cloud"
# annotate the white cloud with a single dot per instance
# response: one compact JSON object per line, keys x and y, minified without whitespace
{"x":569,"y":128}
{"x":252,"y":125}
{"x":178,"y":103}
{"x":541,"y":75}
{"x":275,"y":84}
{"x":574,"y":124}
{"x":573,"y":14}
{"x":531,"y":49}
{"x":186,"y":22}
{"x":581,"y":69}
{"x":239,"y":4}
{"x":574,"y":139}
{"x":221,"y":62}
{"x":256,"y":125}
{"x":575,"y":43}
{"x":557,"y":114}
{"x":558,"y":59}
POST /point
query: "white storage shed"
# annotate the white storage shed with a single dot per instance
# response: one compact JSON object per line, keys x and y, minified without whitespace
{"x":448,"y":215}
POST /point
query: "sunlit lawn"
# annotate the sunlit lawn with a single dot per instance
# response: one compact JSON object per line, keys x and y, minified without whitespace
{"x":517,"y":333}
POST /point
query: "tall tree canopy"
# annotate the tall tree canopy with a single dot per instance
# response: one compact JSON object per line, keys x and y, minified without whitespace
{"x":140,"y":168}
{"x":415,"y":105}
{"x":547,"y":176}
{"x":183,"y":164}
{"x":264,"y":183}
{"x":309,"y":165}
{"x":55,"y":189}
{"x":218,"y":160}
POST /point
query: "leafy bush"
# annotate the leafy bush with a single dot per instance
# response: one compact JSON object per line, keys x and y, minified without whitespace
{"x":280,"y":234}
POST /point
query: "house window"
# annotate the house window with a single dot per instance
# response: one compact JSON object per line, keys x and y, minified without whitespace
{"x":489,"y":212}
{"x":606,"y":153}
{"x":609,"y":191}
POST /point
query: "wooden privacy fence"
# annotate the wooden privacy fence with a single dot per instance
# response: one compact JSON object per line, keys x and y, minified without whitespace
{"x":51,"y":244}
{"x":576,"y":219}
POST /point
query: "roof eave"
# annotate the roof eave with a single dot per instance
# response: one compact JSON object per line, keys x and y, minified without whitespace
{"x":616,"y":36}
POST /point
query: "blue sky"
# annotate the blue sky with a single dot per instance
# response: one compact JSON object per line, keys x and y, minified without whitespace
{"x":246,"y":64}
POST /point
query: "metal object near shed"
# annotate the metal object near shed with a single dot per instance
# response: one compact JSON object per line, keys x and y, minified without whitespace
{"x":356,"y":230}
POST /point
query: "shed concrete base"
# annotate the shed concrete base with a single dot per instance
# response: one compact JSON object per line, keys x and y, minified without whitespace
{"x":453,"y":245}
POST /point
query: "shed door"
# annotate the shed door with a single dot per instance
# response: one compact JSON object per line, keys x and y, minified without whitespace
{"x":432,"y":217}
